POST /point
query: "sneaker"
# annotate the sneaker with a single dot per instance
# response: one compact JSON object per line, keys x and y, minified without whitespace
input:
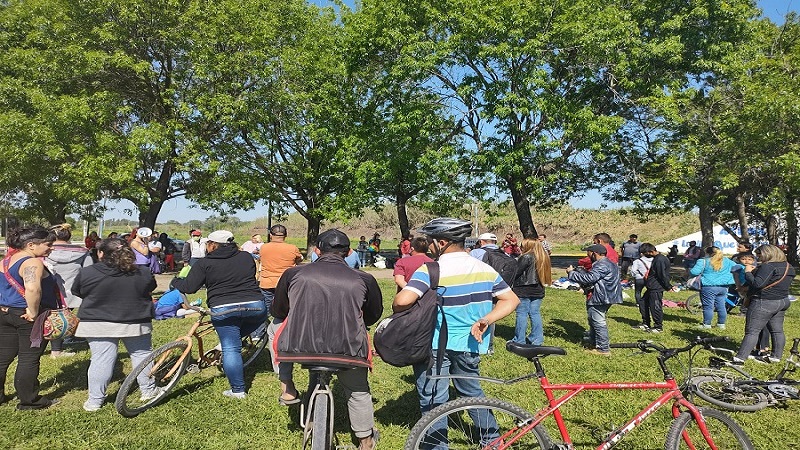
{"x":595,"y":351}
{"x":57,"y":355}
{"x":737,"y":361}
{"x":642,"y":327}
{"x":773,"y":359}
{"x":756,"y":354}
{"x":761,"y":359}
{"x":704,"y":326}
{"x":91,"y":407}
{"x":721,"y":326}
{"x":150,"y":395}
{"x":231,"y":394}
{"x":655,"y":330}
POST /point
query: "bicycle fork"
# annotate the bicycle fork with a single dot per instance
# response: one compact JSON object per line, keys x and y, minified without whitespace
{"x":322,"y":386}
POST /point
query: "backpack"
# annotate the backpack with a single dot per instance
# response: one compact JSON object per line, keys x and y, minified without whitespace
{"x":406,"y":337}
{"x":505,"y":265}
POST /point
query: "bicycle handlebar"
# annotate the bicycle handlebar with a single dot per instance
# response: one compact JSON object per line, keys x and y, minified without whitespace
{"x":646,"y":346}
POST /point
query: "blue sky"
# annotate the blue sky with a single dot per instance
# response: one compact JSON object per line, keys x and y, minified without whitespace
{"x":183,"y":211}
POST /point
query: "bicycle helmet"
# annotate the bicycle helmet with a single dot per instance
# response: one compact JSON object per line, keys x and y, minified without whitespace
{"x":455,"y":230}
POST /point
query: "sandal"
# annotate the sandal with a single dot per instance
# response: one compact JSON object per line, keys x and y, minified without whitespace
{"x":289,"y":401}
{"x":376,"y":436}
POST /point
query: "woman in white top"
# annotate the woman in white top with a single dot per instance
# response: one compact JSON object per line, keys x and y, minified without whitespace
{"x":639,"y":269}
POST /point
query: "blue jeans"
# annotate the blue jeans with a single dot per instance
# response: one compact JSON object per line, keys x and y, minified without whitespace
{"x":713,"y":298}
{"x":230,"y":329}
{"x":529,"y":308}
{"x":434,"y":392}
{"x":598,"y":327}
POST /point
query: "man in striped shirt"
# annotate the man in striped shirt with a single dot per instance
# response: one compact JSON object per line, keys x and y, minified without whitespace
{"x":474,"y":297}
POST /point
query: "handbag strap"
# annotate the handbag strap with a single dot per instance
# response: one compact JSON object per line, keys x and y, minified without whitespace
{"x":785,"y":272}
{"x":21,"y":289}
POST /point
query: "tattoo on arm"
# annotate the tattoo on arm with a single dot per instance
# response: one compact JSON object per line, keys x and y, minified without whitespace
{"x":29,"y":274}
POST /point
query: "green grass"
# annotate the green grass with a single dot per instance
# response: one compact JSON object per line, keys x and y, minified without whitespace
{"x":198,"y":416}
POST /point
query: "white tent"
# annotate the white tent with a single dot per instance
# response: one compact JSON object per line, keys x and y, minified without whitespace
{"x":722,"y":240}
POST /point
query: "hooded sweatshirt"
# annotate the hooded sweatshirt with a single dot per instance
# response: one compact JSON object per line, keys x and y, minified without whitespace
{"x":65,"y":261}
{"x":229,"y":275}
{"x":110,"y":295}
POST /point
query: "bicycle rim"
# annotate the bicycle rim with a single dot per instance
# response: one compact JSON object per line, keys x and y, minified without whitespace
{"x":685,"y":434}
{"x":164,"y":367}
{"x":476,"y":423}
{"x":725,"y":394}
{"x":252,"y":346}
{"x":693,"y":303}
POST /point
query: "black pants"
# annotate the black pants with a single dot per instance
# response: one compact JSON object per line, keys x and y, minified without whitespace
{"x":626,"y":264}
{"x":651,"y":304}
{"x":638,"y":285}
{"x":15,"y":342}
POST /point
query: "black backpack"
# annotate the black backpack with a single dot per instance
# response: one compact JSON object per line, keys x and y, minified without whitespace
{"x":406,"y":337}
{"x":505,"y":265}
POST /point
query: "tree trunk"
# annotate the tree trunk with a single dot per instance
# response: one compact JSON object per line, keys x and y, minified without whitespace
{"x":791,"y":229}
{"x":741,"y":212}
{"x":772,"y":229}
{"x":148,"y":217}
{"x":312,"y":232}
{"x":523,"y":208}
{"x":402,"y":217}
{"x":706,"y":225}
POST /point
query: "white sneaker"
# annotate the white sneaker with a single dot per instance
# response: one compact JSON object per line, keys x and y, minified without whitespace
{"x":150,"y":395}
{"x":704,"y":326}
{"x":231,"y":394}
{"x":773,"y":359}
{"x":721,"y":326}
{"x":91,"y":407}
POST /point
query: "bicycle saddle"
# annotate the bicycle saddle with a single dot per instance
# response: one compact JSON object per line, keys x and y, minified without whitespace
{"x":533,"y":351}
{"x":321,"y":368}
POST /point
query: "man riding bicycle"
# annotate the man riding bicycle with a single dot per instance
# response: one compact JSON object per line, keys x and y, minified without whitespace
{"x":326,"y":308}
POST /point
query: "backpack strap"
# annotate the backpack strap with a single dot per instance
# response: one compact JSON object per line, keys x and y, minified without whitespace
{"x":433,"y":272}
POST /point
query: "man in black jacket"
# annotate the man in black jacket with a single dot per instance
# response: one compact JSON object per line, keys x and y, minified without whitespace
{"x":326,"y":308}
{"x":657,"y":281}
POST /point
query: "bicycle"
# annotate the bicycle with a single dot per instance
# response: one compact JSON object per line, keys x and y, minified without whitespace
{"x":316,"y":413}
{"x":694,"y":304}
{"x":730,"y":387}
{"x":693,"y":427}
{"x":168,"y":363}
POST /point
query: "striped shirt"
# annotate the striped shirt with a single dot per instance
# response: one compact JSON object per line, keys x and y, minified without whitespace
{"x":467,"y":286}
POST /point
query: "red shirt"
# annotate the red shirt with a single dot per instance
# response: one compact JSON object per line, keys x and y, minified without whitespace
{"x":407,"y":266}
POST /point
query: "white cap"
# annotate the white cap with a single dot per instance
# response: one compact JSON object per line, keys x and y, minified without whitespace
{"x":487,"y":237}
{"x":144,"y":232}
{"x":221,"y":236}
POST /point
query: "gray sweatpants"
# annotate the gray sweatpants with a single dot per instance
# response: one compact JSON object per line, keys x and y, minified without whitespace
{"x":104,"y":355}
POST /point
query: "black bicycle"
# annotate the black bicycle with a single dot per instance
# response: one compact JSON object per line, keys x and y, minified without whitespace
{"x":730,"y":387}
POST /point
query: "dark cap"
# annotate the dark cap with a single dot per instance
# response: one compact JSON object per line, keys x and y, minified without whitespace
{"x":332,"y":239}
{"x":596,"y":248}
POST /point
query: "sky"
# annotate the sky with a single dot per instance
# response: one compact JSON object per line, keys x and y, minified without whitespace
{"x":183,"y":210}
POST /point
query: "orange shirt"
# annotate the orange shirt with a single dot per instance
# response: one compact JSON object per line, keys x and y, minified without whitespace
{"x":276,"y":257}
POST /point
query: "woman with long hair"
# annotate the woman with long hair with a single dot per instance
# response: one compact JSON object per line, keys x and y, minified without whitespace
{"x":65,"y":261}
{"x":26,"y":289}
{"x":533,"y":273}
{"x":116,"y":306}
{"x":769,"y":299}
{"x":716,"y":278}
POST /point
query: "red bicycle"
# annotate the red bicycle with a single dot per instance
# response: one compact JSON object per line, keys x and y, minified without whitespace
{"x":488,"y":423}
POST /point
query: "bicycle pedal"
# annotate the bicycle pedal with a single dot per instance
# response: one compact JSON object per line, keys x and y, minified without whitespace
{"x":193,"y":368}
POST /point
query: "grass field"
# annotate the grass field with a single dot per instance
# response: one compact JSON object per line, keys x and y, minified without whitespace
{"x":197,"y":416}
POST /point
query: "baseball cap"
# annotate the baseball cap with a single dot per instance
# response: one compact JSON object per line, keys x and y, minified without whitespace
{"x":221,"y":236}
{"x":196,"y":233}
{"x":144,"y":232}
{"x":596,"y":248}
{"x":332,"y":239}
{"x":487,"y":237}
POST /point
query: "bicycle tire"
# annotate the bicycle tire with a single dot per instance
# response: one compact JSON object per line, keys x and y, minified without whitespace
{"x":507,"y":415}
{"x":693,"y":303}
{"x":723,"y":393}
{"x":163,"y":360}
{"x":725,"y":432}
{"x":320,"y":434}
{"x":252,"y":347}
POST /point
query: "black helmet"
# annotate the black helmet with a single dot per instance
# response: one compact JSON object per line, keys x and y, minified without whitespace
{"x":455,"y":230}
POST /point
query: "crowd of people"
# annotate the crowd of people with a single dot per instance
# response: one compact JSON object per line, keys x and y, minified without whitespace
{"x":320,"y":311}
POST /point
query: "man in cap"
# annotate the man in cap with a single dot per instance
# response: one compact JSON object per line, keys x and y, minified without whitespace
{"x":325,"y":309}
{"x":474,"y":297}
{"x":193,"y":249}
{"x":602,"y":287}
{"x":486,"y":241}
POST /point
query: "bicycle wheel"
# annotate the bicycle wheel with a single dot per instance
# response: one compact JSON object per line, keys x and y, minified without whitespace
{"x":252,"y":346}
{"x":467,"y":423}
{"x":165,"y":366}
{"x":724,"y":431}
{"x":724,"y":393}
{"x":320,"y":434}
{"x":693,"y":303}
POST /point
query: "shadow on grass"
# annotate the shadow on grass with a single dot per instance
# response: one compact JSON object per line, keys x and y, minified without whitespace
{"x":504,"y":331}
{"x":565,"y":329}
{"x":73,"y":376}
{"x":403,"y":410}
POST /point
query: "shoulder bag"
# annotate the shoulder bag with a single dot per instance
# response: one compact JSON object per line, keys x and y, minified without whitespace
{"x":785,"y":272}
{"x":50,"y":324}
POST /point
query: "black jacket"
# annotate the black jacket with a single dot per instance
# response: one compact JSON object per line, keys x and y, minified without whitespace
{"x":526,"y":282}
{"x":327,"y":307}
{"x":658,"y":278}
{"x":110,"y":295}
{"x":766,"y":274}
{"x":228,"y":273}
